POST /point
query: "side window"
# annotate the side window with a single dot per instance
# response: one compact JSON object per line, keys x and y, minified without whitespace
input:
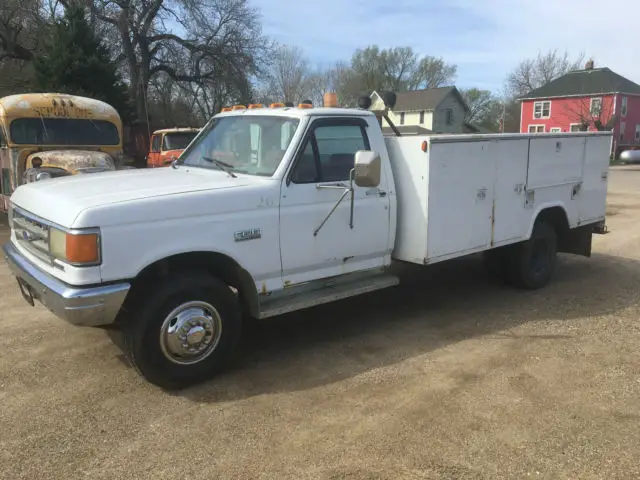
{"x":307,"y":167}
{"x":155,"y":143}
{"x":336,"y":149}
{"x":330,"y":154}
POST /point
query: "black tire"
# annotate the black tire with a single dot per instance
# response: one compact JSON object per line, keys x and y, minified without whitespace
{"x":532,"y":263}
{"x":142,"y":330}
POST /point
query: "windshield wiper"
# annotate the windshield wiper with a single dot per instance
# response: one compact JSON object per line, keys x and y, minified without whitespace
{"x":221,"y":165}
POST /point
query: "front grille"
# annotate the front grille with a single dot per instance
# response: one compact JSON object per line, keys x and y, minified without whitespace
{"x":31,"y":234}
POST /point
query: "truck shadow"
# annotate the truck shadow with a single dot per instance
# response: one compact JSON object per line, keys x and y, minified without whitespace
{"x":433,"y":307}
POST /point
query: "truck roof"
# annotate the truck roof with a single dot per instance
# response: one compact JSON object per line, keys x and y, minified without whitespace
{"x":176,"y":130}
{"x":299,"y":112}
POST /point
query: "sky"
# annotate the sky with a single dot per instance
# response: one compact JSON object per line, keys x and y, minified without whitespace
{"x":485,"y":38}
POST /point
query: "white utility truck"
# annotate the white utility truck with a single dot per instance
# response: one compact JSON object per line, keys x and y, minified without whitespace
{"x":272,"y":210}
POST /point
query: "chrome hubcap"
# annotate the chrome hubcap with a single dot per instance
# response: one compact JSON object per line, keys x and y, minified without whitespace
{"x":190,"y":333}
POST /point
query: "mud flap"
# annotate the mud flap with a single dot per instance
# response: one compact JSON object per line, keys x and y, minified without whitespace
{"x":577,"y":241}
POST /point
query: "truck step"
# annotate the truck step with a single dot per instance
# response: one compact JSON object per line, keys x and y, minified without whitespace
{"x":305,"y":298}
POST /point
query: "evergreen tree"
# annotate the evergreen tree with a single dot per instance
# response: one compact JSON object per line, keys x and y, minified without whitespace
{"x":74,"y":61}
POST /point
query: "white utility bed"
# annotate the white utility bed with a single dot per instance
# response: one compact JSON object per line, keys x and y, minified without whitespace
{"x":469,"y":193}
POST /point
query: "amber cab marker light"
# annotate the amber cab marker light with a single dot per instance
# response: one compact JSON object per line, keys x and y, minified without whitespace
{"x":305,"y":105}
{"x":330,"y":100}
{"x":424,"y":146}
{"x":226,"y":109}
{"x":82,"y":248}
{"x":255,"y":105}
{"x":276,"y":105}
{"x":239,"y":107}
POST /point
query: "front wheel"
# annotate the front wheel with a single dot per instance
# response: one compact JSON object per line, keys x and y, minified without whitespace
{"x":184,"y":332}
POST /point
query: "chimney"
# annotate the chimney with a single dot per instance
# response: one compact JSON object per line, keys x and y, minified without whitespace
{"x":589,"y":65}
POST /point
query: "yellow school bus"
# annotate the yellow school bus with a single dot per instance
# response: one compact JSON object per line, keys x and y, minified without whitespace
{"x":48,"y":135}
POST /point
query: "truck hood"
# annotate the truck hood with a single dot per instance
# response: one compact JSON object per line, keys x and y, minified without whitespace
{"x":61,"y":200}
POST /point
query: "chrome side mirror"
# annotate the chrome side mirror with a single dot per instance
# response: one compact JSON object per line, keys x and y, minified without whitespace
{"x":367,"y":168}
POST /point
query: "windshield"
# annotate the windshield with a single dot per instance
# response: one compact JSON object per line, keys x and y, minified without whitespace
{"x":63,"y":131}
{"x":247,"y":144}
{"x":177,"y":141}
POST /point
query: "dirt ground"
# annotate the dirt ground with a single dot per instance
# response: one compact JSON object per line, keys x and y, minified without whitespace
{"x":447,"y":376}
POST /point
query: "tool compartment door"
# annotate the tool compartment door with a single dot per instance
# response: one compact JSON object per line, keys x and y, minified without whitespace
{"x":593,"y":194}
{"x":461,"y":175}
{"x":511,"y":157}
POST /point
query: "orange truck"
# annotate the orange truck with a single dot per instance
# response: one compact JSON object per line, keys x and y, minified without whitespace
{"x":168,"y":144}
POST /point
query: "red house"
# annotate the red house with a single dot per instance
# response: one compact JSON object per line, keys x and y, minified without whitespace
{"x":589,"y":99}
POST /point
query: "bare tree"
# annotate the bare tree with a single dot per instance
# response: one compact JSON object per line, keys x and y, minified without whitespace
{"x":593,"y":112}
{"x":170,"y":105}
{"x":223,"y":39}
{"x":322,"y":80}
{"x":398,"y":69}
{"x":288,"y":78}
{"x":481,"y":104}
{"x":535,"y":72}
{"x":21,"y":28}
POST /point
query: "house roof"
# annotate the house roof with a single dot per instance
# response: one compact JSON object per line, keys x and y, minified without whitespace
{"x":585,"y":82}
{"x":407,"y":130}
{"x":426,"y":99}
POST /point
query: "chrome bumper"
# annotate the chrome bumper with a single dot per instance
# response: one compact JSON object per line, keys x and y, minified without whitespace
{"x":90,"y":306}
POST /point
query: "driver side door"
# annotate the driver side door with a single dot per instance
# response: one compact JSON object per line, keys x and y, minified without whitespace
{"x":153,"y":159}
{"x":311,"y":249}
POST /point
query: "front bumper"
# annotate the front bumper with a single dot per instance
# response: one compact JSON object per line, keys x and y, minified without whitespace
{"x":87,"y":306}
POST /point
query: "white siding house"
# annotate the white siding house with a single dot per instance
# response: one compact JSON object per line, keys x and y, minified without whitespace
{"x":437,"y":110}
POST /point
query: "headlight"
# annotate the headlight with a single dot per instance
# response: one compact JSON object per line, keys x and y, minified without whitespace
{"x":77,"y":248}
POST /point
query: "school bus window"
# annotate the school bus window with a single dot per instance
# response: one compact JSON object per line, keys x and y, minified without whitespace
{"x":63,"y":131}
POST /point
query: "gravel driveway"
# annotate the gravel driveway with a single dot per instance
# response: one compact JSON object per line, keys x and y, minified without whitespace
{"x":447,"y":376}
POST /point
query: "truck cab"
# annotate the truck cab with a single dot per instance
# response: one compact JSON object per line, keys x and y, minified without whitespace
{"x":166,"y":145}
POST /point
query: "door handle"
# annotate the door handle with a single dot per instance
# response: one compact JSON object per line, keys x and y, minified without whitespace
{"x":320,"y":186}
{"x":375,"y":191}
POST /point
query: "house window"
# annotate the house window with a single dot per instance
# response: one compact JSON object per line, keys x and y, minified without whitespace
{"x":574,"y":127}
{"x":402,"y":118}
{"x":623,"y":109}
{"x":542,"y":109}
{"x":449,"y":116}
{"x":421,"y":118}
{"x":623,"y":127}
{"x":637,"y":137}
{"x":596,"y":106}
{"x":536,"y":128}
{"x":555,"y":130}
